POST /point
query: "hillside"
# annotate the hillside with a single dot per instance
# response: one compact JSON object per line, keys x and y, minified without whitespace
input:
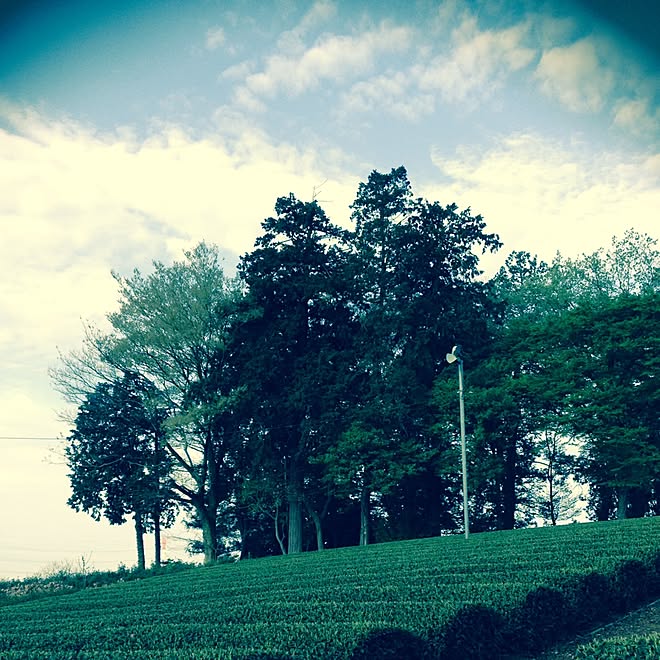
{"x":493,"y":594}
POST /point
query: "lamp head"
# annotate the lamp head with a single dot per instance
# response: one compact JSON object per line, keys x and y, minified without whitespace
{"x":454,"y":355}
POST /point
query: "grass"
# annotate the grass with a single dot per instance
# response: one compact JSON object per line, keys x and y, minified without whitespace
{"x":630,"y":647}
{"x":483,"y":597}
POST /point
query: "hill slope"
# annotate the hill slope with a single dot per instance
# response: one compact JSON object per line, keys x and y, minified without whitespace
{"x":482,"y":597}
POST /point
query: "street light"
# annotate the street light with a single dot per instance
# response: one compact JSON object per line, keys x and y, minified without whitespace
{"x":455,"y":356}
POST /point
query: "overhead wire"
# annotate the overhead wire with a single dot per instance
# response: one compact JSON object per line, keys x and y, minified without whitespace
{"x":28,"y":437}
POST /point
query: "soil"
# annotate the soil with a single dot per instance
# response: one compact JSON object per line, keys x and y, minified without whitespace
{"x":638,"y":622}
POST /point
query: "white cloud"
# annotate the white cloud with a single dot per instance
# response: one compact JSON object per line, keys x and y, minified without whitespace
{"x":540,"y":195}
{"x":576,"y":76}
{"x":292,"y":41}
{"x":246,"y":99}
{"x":393,"y":93}
{"x":215,"y":37}
{"x":333,"y":58}
{"x":477,"y":64}
{"x":237,"y":71}
{"x":76,"y":204}
{"x":80,"y":192}
{"x":637,"y":116}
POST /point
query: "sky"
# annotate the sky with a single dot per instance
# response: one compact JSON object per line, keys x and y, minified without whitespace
{"x":130,"y":131}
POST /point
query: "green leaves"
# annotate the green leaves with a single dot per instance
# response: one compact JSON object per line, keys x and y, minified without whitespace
{"x":576,"y":354}
{"x":113,"y":452}
{"x":172,"y":323}
{"x":319,"y":375}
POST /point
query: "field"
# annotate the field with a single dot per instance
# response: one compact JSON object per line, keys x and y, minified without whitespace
{"x":485,"y":597}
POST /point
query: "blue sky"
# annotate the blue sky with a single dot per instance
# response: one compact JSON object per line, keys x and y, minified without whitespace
{"x":129,"y":131}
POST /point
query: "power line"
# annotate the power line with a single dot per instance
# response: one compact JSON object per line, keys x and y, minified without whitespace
{"x":27,"y":437}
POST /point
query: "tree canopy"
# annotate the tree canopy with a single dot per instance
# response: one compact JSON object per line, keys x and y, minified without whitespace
{"x":307,"y":403}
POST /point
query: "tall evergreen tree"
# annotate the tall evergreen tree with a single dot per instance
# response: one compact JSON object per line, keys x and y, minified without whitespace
{"x":117,"y":461}
{"x":295,"y":351}
{"x":416,"y":267}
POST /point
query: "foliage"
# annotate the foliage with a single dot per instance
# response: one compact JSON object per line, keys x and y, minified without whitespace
{"x":116,"y":458}
{"x":573,"y":362}
{"x":172,"y":330}
{"x":310,"y":396}
{"x":293,"y":354}
{"x":65,"y":577}
{"x":415,"y":268}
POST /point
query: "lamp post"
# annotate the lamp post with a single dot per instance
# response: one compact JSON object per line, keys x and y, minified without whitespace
{"x":455,"y":356}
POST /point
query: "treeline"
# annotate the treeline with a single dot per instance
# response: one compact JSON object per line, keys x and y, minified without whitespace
{"x":306,"y":402}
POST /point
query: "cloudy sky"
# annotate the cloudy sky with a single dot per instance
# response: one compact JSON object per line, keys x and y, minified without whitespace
{"x":130,"y":131}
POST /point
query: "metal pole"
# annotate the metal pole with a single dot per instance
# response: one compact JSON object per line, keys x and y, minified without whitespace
{"x":463,"y":451}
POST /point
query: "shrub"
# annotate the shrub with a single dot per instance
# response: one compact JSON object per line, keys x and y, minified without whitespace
{"x":473,"y":633}
{"x":544,"y":618}
{"x":390,"y":643}
{"x":590,"y":599}
{"x":632,"y":582}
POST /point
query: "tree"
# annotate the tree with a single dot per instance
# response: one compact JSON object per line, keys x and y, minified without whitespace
{"x":293,"y":353}
{"x":556,"y":498}
{"x":415,"y":264}
{"x":556,"y":338}
{"x":172,"y":329}
{"x":118,"y":466}
{"x":512,"y":400}
{"x":610,"y":356}
{"x":367,"y":459}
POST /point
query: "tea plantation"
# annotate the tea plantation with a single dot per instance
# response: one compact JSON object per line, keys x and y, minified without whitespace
{"x":489,"y":596}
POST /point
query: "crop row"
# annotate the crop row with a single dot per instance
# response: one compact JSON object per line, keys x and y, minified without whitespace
{"x":356,"y":602}
{"x":632,"y":647}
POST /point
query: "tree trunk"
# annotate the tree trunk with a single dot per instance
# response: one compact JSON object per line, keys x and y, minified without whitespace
{"x":157,"y":504}
{"x":139,"y":539}
{"x":318,"y":527}
{"x":295,"y":504}
{"x":157,"y":557}
{"x":317,"y":518}
{"x":365,"y":496}
{"x":622,"y":503}
{"x":295,"y":526}
{"x":209,"y":535}
{"x":552,"y":497}
{"x":509,"y":486}
{"x":551,"y":449}
{"x":278,"y":535}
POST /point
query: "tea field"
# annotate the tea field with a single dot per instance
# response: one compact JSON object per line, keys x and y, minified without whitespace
{"x":489,"y":596}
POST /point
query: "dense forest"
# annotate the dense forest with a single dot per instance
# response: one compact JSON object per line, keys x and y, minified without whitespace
{"x":306,"y":401}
